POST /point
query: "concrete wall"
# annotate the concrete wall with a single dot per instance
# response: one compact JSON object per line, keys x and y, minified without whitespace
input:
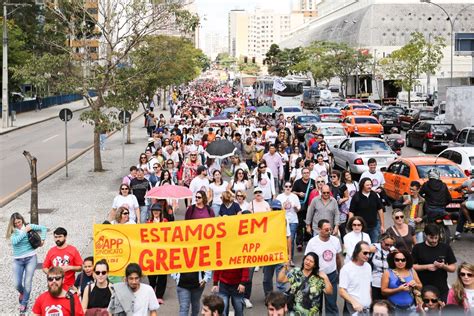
{"x":460,"y":106}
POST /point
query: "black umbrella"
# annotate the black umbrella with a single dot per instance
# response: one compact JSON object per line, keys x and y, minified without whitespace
{"x":220,"y":149}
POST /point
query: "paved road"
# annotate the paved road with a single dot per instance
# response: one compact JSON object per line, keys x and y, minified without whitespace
{"x":46,"y":142}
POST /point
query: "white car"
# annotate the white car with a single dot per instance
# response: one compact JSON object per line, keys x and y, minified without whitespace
{"x":291,"y":111}
{"x":333,"y":133}
{"x":354,"y":153}
{"x":463,"y":156}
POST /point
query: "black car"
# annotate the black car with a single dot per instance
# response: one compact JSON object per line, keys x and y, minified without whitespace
{"x":388,"y":119}
{"x":421,"y":114}
{"x":430,"y":135}
{"x":303,"y":124}
{"x":397,"y":109}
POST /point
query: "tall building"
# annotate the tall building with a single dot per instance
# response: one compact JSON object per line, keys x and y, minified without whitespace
{"x":252,"y":33}
{"x":215,"y":43}
{"x":238,"y":33}
{"x":308,"y":8}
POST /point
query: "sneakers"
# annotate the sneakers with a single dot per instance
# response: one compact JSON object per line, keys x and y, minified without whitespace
{"x":299,"y":248}
{"x":457,"y":235}
{"x":292,"y":264}
{"x":20,"y":298}
{"x":256,"y":269}
{"x":22,"y":309}
{"x":247,"y":302}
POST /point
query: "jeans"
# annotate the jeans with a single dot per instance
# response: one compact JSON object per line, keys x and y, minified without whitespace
{"x":374,"y":232}
{"x":188,"y":297}
{"x":293,"y":228}
{"x":461,"y":222}
{"x":434,"y":211}
{"x":229,"y":292}
{"x":144,"y":214}
{"x":419,"y":237}
{"x":268,"y":272}
{"x":331,"y":300}
{"x":23,"y":270}
{"x":216,"y":208}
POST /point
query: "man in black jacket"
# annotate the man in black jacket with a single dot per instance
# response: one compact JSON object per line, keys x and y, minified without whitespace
{"x":436,"y":194}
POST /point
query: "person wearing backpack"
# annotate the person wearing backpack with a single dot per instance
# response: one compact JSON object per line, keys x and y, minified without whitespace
{"x":189,"y":289}
{"x":24,"y":255}
{"x":200,"y":209}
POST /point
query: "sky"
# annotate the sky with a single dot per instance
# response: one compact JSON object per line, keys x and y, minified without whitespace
{"x":214,"y":13}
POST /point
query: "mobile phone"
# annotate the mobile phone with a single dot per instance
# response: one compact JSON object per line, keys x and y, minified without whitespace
{"x":440,"y":259}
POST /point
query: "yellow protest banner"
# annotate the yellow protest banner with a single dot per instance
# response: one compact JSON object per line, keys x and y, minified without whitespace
{"x":194,"y":245}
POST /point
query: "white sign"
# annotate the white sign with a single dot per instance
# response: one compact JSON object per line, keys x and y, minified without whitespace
{"x":278,"y":84}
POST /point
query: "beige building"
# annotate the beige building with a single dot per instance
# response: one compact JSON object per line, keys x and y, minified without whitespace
{"x":238,"y":33}
{"x":308,"y":8}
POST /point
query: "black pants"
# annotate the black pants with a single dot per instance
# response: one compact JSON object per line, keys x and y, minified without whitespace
{"x":342,"y":230}
{"x":158,"y":283}
{"x":377,"y":293}
{"x":301,"y":234}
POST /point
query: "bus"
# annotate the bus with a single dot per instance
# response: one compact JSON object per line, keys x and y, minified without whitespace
{"x":245,"y":84}
{"x":292,"y":95}
{"x":264,"y":90}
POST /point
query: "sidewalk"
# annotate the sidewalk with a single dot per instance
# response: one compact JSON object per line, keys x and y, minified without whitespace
{"x":34,"y":117}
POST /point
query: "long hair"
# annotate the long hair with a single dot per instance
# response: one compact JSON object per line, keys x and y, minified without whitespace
{"x":362,"y":183}
{"x":204,"y":196}
{"x":458,"y":286}
{"x":315,"y":270}
{"x":11,"y":224}
{"x":245,"y":178}
{"x":118,"y":214}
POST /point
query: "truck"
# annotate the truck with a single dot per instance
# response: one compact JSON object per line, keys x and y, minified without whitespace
{"x":382,"y":91}
{"x":460,"y":106}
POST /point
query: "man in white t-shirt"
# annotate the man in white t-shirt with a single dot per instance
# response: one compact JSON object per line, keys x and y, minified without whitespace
{"x":133,"y":297}
{"x":355,"y":279}
{"x":375,"y":175}
{"x":291,"y":204}
{"x":328,"y":248}
{"x":271,"y":135}
{"x":199,"y":183}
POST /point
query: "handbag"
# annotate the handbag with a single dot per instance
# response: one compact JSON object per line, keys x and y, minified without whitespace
{"x":34,"y":238}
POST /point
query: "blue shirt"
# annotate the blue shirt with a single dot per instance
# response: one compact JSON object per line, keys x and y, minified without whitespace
{"x":19,"y":238}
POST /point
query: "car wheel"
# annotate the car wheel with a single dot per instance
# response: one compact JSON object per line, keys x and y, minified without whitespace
{"x":425,"y":147}
{"x":407,"y":141}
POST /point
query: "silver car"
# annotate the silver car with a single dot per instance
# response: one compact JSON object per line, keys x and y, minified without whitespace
{"x":354,"y":153}
{"x":329,"y":114}
{"x":333,"y":133}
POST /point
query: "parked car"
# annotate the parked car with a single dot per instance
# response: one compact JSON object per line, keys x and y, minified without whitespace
{"x":397,"y":109}
{"x":329,"y":114}
{"x":357,"y":101}
{"x":354,"y":153}
{"x":464,"y":138}
{"x":289,"y":111}
{"x":303,"y":124}
{"x":374,"y":106}
{"x":462,"y":156}
{"x":338,"y":104}
{"x":399,"y":174}
{"x":429,"y":135}
{"x":362,"y":126}
{"x":388,"y":119}
{"x":333,"y":133}
{"x":311,"y":97}
{"x":420,"y":114}
{"x":356,"y":109}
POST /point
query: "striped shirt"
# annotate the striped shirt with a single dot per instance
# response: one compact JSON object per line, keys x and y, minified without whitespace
{"x":21,"y":246}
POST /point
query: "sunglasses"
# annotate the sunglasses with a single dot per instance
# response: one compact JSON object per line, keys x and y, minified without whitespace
{"x":198,"y":197}
{"x":155,"y":167}
{"x":261,"y":167}
{"x":357,"y":225}
{"x":366,"y":253}
{"x":288,"y":186}
{"x":320,"y":181}
{"x":143,"y":157}
{"x":333,"y":176}
{"x":169,"y":163}
{"x":400,"y":217}
{"x":193,"y":155}
{"x":326,"y":192}
{"x":464,"y":275}
{"x":239,"y":195}
{"x":257,"y":193}
{"x":54,"y":278}
{"x":125,"y":213}
{"x":430,"y":300}
{"x":124,"y":189}
{"x":100,"y":272}
{"x":400,"y":260}
{"x":389,"y":245}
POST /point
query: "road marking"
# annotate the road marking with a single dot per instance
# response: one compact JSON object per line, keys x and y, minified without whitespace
{"x":49,"y":138}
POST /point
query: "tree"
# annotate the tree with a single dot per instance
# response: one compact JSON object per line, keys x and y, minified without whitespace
{"x":416,"y":57}
{"x":317,"y":60}
{"x":248,"y":67}
{"x":281,"y":62}
{"x":123,"y":27}
{"x":225,"y":60}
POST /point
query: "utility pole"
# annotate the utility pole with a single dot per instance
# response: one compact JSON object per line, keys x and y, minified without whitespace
{"x":5,"y":60}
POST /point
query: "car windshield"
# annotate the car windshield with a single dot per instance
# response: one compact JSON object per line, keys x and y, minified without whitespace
{"x":291,"y":110}
{"x":308,"y":119}
{"x":427,"y":116}
{"x":330,"y":110}
{"x":448,"y":171}
{"x":333,"y":131}
{"x":442,"y":128}
{"x":366,"y":120}
{"x":370,"y":145}
{"x":360,"y":107}
{"x":388,"y":115}
{"x":292,"y":89}
{"x":396,"y":110}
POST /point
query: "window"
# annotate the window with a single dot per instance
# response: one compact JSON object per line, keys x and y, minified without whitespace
{"x":446,"y":154}
{"x":404,"y":170}
{"x":456,"y":157}
{"x":470,"y":138}
{"x":394,"y":167}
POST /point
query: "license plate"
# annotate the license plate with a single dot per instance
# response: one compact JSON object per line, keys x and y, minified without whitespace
{"x":444,"y":144}
{"x":453,"y":205}
{"x":389,"y":122}
{"x":447,"y":222}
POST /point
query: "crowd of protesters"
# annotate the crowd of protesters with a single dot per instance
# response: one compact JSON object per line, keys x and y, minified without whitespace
{"x":336,"y":222}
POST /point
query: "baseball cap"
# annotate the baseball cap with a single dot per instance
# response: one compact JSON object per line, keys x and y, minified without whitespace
{"x":257,"y":189}
{"x":156,"y":207}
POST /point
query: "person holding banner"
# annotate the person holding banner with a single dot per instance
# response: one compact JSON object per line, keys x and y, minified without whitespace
{"x":229,"y":284}
{"x":189,"y":288}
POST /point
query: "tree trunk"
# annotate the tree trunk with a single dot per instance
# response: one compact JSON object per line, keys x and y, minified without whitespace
{"x":129,"y":131}
{"x":34,"y":187}
{"x":164,"y":99}
{"x":97,"y":154}
{"x":409,"y":95}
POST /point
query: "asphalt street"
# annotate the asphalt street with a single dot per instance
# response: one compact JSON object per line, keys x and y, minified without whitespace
{"x":46,"y":141}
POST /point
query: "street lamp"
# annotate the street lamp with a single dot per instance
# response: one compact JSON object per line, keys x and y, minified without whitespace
{"x":5,"y":61}
{"x":451,"y":22}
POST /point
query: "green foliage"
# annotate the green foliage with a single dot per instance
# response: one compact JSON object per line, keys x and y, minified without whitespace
{"x":282,"y":62}
{"x":225,"y":60}
{"x":416,"y":57}
{"x":248,"y":68}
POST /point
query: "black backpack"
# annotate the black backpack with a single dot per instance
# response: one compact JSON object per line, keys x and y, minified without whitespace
{"x":34,"y":238}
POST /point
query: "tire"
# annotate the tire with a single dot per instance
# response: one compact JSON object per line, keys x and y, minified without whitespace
{"x":444,"y":234}
{"x":425,"y":147}
{"x":407,"y":142}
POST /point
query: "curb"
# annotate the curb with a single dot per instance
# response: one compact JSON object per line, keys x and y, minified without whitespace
{"x":54,"y":169}
{"x":34,"y":123}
